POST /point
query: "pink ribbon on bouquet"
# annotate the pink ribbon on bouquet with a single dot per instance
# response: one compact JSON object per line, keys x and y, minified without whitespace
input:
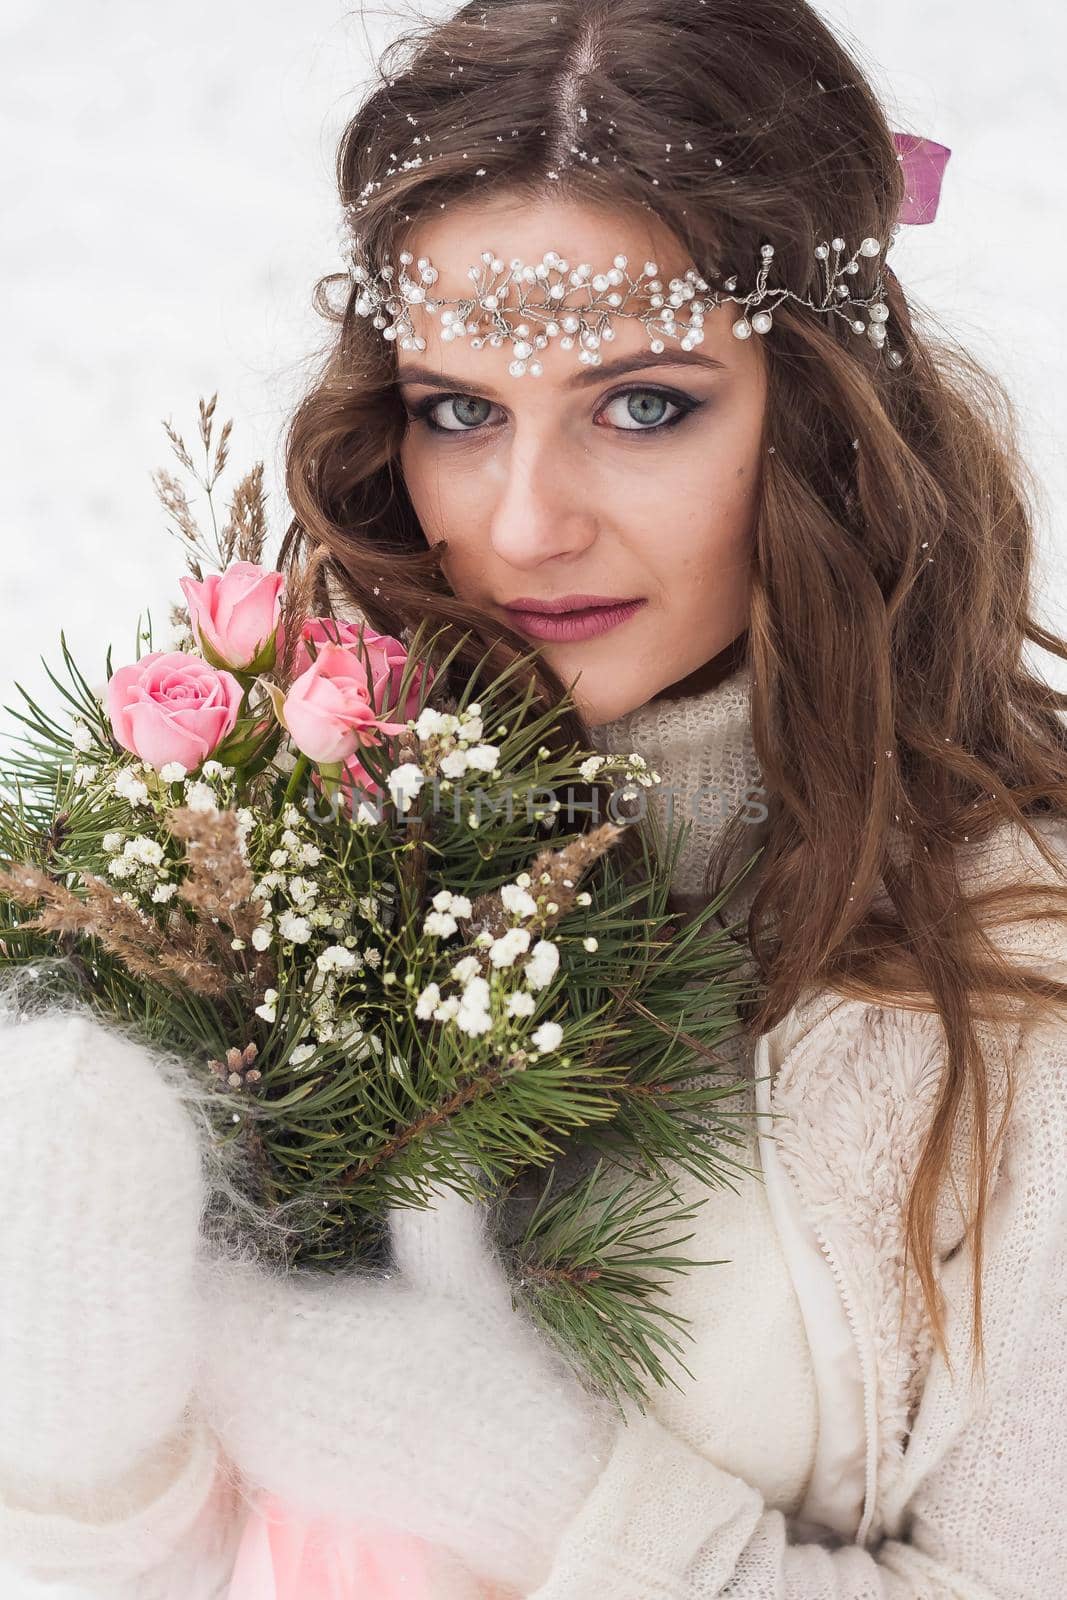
{"x":283,"y":1556}
{"x":288,"y":1555}
{"x":923,"y":161}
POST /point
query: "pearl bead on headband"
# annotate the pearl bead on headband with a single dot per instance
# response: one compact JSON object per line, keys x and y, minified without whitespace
{"x":531,"y":323}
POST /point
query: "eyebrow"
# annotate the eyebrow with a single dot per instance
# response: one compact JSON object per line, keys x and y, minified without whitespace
{"x":582,"y":378}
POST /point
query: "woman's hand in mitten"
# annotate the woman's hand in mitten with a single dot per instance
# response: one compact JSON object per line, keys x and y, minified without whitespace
{"x":101,"y":1196}
{"x":419,"y":1399}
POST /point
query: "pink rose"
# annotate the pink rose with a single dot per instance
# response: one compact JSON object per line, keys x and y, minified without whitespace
{"x":171,"y":706}
{"x":387,"y":657}
{"x":235,"y":615}
{"x":328,"y":709}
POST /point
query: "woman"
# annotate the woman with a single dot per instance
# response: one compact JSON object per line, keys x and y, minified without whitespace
{"x":818,"y":563}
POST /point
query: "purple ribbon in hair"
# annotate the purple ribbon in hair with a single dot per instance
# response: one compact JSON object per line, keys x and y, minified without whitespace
{"x":924,"y":163}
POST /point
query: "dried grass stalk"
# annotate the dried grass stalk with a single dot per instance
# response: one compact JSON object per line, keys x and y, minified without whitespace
{"x":247,"y":528}
{"x":168,"y":957}
{"x":220,"y":882}
{"x":175,"y":503}
{"x":564,"y":869}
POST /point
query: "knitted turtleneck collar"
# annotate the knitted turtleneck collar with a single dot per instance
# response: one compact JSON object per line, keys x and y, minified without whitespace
{"x":701,"y":746}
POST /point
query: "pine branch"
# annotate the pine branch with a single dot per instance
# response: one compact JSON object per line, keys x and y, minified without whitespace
{"x":590,"y":1266}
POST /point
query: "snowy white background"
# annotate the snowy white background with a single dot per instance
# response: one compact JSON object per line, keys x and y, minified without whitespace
{"x":167,"y":202}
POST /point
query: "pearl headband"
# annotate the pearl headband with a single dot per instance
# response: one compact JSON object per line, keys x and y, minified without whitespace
{"x":531,"y":323}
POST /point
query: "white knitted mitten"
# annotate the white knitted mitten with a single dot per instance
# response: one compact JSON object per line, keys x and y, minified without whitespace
{"x":101,"y":1195}
{"x":419,"y":1399}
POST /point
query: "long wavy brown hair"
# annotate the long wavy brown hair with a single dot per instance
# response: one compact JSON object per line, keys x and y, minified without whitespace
{"x":894,"y":553}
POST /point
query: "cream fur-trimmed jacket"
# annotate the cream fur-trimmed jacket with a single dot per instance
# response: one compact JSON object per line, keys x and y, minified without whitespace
{"x":822,"y":1450}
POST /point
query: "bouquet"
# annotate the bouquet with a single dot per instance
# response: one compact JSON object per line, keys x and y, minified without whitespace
{"x":347,"y":892}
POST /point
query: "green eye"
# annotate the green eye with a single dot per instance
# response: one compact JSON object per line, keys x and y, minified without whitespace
{"x":644,"y":409}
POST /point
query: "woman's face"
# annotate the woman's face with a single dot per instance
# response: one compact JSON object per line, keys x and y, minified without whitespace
{"x":623,"y":482}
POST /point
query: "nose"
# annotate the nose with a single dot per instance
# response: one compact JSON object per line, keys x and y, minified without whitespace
{"x":542,"y":510}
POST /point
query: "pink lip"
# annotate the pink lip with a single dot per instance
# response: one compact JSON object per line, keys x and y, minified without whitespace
{"x":582,"y":620}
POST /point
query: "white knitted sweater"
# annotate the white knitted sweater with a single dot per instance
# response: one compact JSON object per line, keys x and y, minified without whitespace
{"x":820,"y":1451}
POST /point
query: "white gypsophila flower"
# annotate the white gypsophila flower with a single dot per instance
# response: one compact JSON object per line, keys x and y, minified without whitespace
{"x":302,"y":1053}
{"x":120,"y":867}
{"x":442,"y":900}
{"x":81,"y":738}
{"x":476,"y":992}
{"x":404,"y":782}
{"x":84,"y":774}
{"x":590,"y":944}
{"x":310,"y":855}
{"x":454,"y":764}
{"x":302,"y":890}
{"x":504,"y":952}
{"x":448,"y":1010}
{"x":320,"y":917}
{"x":372,"y":957}
{"x":200,"y":796}
{"x":335,"y":958}
{"x":213,"y":769}
{"x":547,"y":1037}
{"x":297,"y":929}
{"x":290,"y":815}
{"x":164,"y":892}
{"x":524,"y":880}
{"x":466,"y":968}
{"x":542,"y":965}
{"x":290,"y":840}
{"x":113,"y":841}
{"x":439,"y":924}
{"x":483,"y":757}
{"x":428,"y":723}
{"x":590,"y":767}
{"x":262,"y":937}
{"x":279,"y":858}
{"x":584,"y":898}
{"x":267,"y":1009}
{"x":473,"y":1014}
{"x":517,"y":900}
{"x":521,"y":1004}
{"x":461,"y":906}
{"x":148,"y":851}
{"x":369,"y":814}
{"x":126,"y":784}
{"x":471,"y":730}
{"x":427,"y":1001}
{"x":172,"y":772}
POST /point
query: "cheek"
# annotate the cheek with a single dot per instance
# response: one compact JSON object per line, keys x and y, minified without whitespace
{"x":446,"y":505}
